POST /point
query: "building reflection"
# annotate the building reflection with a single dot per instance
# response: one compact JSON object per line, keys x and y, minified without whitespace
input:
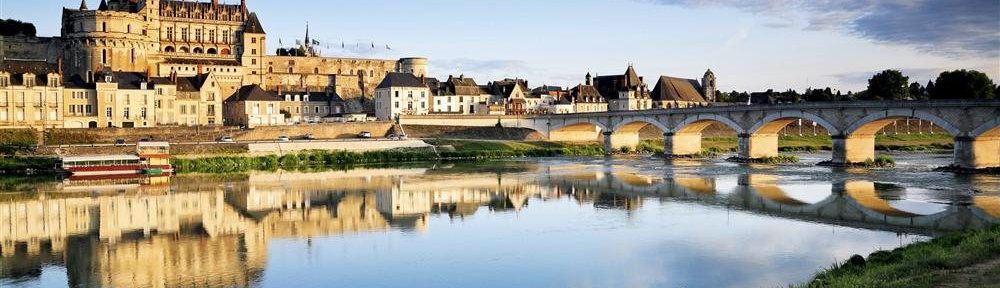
{"x":210,"y":231}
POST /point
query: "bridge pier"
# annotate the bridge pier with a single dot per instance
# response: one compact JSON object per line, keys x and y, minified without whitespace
{"x":680,"y":144}
{"x":616,"y":141}
{"x":977,"y":153}
{"x":755,"y":146}
{"x":856,"y":149}
{"x":575,"y":134}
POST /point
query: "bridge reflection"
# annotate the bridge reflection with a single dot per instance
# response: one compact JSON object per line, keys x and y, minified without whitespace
{"x":215,"y":230}
{"x":852,"y":203}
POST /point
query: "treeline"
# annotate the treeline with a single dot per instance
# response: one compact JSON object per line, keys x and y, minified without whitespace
{"x":11,"y":27}
{"x":885,"y":85}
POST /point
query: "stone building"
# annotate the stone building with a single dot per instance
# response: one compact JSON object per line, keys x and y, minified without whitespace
{"x":583,"y":99}
{"x":251,"y":106}
{"x":623,"y":92}
{"x":401,"y":94}
{"x":458,"y":95}
{"x":311,"y":107}
{"x":671,"y":92}
{"x":31,"y":95}
{"x":184,"y":38}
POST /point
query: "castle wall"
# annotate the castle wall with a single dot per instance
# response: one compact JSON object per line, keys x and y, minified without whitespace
{"x":33,"y":48}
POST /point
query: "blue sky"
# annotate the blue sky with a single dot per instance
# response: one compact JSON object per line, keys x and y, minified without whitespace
{"x":750,"y":45}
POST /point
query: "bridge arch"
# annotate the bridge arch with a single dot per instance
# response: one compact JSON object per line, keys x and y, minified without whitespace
{"x":871,"y":124}
{"x":774,"y":122}
{"x":576,"y":130}
{"x":857,"y":143}
{"x":696,"y":123}
{"x":685,"y":137}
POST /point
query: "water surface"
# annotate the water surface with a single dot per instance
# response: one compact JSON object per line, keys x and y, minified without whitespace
{"x":561,"y":222}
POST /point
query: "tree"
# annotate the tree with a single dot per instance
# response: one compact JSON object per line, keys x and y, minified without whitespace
{"x":11,"y":27}
{"x":963,"y":84}
{"x":918,"y":92}
{"x":888,"y":85}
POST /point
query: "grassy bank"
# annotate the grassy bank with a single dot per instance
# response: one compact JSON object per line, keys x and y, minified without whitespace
{"x":970,"y":259}
{"x":26,"y":165}
{"x":463,"y":150}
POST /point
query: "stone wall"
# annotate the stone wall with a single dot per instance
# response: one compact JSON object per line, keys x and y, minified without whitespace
{"x":320,"y":131}
{"x":460,"y":132}
{"x":353,"y":146}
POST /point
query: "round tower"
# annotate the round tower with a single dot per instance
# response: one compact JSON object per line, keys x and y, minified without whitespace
{"x":414,"y":65}
{"x":104,"y":38}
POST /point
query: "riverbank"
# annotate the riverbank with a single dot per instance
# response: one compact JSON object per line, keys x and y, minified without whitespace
{"x":445,"y":150}
{"x":969,"y":259}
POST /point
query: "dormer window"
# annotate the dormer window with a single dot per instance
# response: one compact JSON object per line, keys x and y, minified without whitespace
{"x":4,"y":80}
{"x":143,"y":85}
{"x":29,"y":80}
{"x":107,"y":78}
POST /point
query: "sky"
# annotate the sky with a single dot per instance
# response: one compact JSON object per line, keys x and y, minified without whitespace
{"x":749,"y":45}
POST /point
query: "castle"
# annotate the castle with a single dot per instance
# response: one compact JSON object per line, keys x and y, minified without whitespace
{"x":186,"y":38}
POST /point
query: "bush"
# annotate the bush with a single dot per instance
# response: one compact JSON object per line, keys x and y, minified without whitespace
{"x":15,"y":140}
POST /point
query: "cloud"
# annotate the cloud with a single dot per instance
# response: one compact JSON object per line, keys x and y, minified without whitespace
{"x":955,"y":28}
{"x":921,"y":75}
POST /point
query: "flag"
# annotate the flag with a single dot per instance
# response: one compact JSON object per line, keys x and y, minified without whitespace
{"x":342,"y":45}
{"x":279,"y":43}
{"x":387,"y":47}
{"x":315,"y":42}
{"x":373,"y":45}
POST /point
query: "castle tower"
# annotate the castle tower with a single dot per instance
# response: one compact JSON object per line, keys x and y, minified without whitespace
{"x":709,"y":86}
{"x":104,"y":38}
{"x":416,"y":66}
{"x":590,"y":79}
{"x":254,"y":48}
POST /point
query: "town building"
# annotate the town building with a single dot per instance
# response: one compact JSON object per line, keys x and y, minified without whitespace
{"x":187,"y":38}
{"x":251,"y":106}
{"x":624,"y":92}
{"x":30,"y":95}
{"x":458,"y":95}
{"x":670,"y":92}
{"x":401,"y":94}
{"x":583,"y":99}
{"x":311,"y":107}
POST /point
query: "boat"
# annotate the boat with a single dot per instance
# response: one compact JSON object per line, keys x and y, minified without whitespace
{"x":150,"y":158}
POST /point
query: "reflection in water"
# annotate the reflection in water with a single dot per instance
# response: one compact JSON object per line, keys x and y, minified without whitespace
{"x":216,"y":230}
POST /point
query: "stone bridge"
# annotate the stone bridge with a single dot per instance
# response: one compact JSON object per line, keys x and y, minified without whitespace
{"x":975,"y":124}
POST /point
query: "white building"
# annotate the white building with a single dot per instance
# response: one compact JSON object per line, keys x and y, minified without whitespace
{"x":401,"y":94}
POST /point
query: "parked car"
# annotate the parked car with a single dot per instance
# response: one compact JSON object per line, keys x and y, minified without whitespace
{"x":365,"y":135}
{"x":146,"y":139}
{"x":401,"y":136}
{"x":391,"y":137}
{"x":119,"y":142}
{"x":226,"y":139}
{"x":283,"y":138}
{"x":309,"y":137}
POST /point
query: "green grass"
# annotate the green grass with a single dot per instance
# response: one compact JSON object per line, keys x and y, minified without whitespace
{"x":521,"y":148}
{"x":924,"y":264}
{"x":15,"y":140}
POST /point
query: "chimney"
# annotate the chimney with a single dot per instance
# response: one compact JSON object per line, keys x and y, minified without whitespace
{"x":199,"y":70}
{"x":148,"y":78}
{"x":173,"y":77}
{"x":60,"y":71}
{"x":243,"y":7}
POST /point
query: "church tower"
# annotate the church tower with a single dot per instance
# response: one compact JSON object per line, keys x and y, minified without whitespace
{"x":708,"y":86}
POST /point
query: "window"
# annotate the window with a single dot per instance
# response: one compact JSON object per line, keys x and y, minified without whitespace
{"x":104,"y":26}
{"x":108,"y":112}
{"x":125,"y":113}
{"x":104,"y":57}
{"x":142,"y":113}
{"x":211,"y":35}
{"x":253,"y":51}
{"x":397,"y":96}
{"x":89,"y":109}
{"x":256,"y":108}
{"x":197,"y":35}
{"x":184,"y":34}
{"x":254,"y":41}
{"x":270,"y":108}
{"x":397,"y":104}
{"x":211,"y":110}
{"x":183,"y":109}
{"x":170,"y":34}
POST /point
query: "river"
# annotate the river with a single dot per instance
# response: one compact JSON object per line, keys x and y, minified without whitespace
{"x":559,"y":222}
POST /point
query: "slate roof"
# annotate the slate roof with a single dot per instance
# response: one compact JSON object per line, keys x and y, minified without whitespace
{"x":17,"y":68}
{"x":586,"y":94}
{"x":677,"y":89}
{"x":253,"y":93}
{"x":396,"y":79}
{"x":253,"y":25}
{"x":461,"y":85}
{"x":610,"y":85}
